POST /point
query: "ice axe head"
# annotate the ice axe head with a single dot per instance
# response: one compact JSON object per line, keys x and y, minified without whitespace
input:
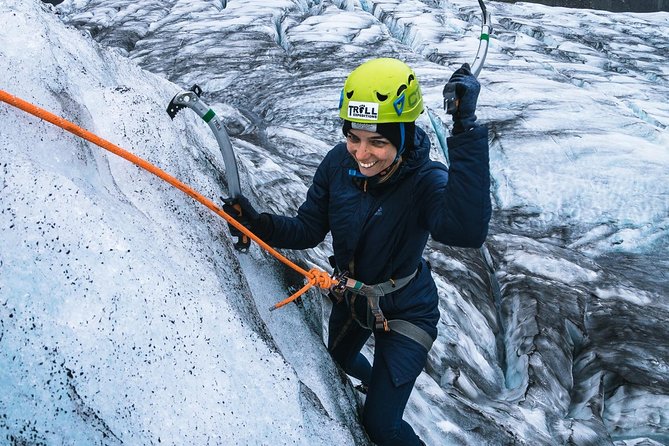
{"x":180,"y":99}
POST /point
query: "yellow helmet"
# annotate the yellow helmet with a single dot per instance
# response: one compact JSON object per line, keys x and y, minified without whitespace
{"x":380,"y":91}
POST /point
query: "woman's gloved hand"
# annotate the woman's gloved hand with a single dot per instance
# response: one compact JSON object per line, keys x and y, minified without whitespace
{"x":243,"y":211}
{"x":465,"y":88}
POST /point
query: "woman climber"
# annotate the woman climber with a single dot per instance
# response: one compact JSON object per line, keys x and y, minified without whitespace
{"x":381,"y":196}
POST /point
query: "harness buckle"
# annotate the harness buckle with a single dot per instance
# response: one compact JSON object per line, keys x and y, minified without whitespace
{"x":341,"y":279}
{"x":380,"y":322}
{"x":339,"y":288}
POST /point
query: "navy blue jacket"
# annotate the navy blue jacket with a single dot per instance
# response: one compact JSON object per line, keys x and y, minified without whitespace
{"x":381,"y":229}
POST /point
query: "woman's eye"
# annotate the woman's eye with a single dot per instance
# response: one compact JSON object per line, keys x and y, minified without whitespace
{"x":379,"y":143}
{"x":351,"y":137}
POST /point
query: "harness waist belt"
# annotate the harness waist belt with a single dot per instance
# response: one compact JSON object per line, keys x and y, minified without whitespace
{"x":380,"y":289}
{"x":379,"y":322}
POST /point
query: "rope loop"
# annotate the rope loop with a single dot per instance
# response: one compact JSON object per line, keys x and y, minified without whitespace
{"x":321,"y":278}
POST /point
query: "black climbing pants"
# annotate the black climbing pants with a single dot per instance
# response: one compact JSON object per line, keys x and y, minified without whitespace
{"x":386,"y":397}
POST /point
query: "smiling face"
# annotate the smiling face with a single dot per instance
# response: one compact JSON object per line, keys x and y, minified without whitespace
{"x":372,"y":151}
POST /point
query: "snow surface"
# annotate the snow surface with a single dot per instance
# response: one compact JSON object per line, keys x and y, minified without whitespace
{"x":126,"y":317}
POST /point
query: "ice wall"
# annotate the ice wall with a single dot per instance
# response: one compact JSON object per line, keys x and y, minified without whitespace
{"x":125,"y":317}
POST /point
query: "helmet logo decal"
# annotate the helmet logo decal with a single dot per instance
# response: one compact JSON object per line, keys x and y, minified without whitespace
{"x":368,"y":111}
{"x":399,"y":104}
{"x":414,"y":98}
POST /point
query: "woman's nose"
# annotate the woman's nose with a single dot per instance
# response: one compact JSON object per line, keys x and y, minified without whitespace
{"x":362,"y":150}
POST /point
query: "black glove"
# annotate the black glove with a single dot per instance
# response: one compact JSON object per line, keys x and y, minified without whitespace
{"x":243,"y":211}
{"x":463,"y":88}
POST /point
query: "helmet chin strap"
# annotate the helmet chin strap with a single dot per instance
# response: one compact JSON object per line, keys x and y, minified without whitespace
{"x":390,"y":170}
{"x":400,"y":149}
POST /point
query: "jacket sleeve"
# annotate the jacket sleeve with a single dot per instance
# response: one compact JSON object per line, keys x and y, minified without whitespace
{"x":311,"y":224}
{"x":457,"y":208}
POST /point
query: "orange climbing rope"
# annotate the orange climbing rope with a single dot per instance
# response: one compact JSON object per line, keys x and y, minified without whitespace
{"x":314,"y":276}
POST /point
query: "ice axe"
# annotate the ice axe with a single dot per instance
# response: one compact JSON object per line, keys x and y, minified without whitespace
{"x":451,"y":102}
{"x":191,"y":99}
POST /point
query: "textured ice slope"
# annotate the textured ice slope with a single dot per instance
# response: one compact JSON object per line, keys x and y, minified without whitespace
{"x":556,"y":332}
{"x":125,"y":317}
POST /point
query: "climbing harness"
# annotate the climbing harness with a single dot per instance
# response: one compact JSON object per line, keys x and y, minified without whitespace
{"x":192,"y":99}
{"x":376,"y":320}
{"x":314,"y":276}
{"x":450,"y":99}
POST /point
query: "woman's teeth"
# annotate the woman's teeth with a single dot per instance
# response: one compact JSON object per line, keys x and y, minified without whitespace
{"x":367,"y":165}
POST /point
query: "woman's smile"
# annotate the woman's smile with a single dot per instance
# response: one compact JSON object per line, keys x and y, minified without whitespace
{"x":367,"y":165}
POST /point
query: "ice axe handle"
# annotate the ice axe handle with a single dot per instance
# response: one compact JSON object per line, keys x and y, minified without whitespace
{"x":232,"y":207}
{"x":451,"y":105}
{"x":451,"y":101}
{"x":243,"y":241}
